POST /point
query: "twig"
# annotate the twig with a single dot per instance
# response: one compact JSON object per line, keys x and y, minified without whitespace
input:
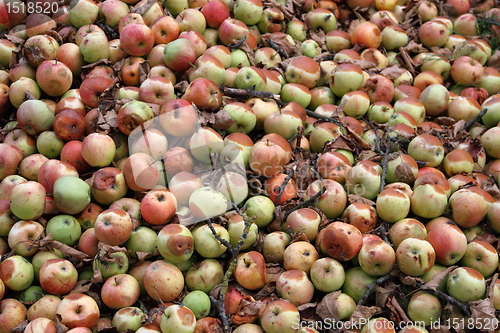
{"x":281,"y":189}
{"x":234,"y":250}
{"x":385,"y":161}
{"x":378,"y":149}
{"x":219,"y":238}
{"x":246,"y":93}
{"x":319,"y":116}
{"x":311,"y":200}
{"x":383,"y":232}
{"x":474,"y":120}
{"x":372,"y":286}
{"x":277,"y":48}
{"x":450,"y":299}
{"x":237,"y":45}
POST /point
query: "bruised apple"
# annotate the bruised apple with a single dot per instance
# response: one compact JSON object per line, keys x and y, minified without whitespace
{"x":341,"y":241}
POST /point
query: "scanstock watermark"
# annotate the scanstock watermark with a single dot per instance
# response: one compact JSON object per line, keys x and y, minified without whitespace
{"x":206,"y":173}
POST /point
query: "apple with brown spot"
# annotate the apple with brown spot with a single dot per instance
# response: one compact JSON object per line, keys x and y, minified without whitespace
{"x":250,"y":271}
{"x":339,"y":240}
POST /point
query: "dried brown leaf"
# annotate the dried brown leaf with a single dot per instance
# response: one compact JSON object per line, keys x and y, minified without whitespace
{"x":282,"y":41}
{"x":433,"y":283}
{"x":494,"y":60}
{"x":397,"y":314}
{"x":329,"y":306}
{"x":306,"y":306}
{"x":14,"y":39}
{"x":69,"y":251}
{"x":483,"y":315}
{"x":487,"y":237}
{"x":392,"y":72}
{"x":363,"y":64}
{"x":494,"y":191}
{"x":21,"y":327}
{"x":141,"y":9}
{"x":415,"y":47}
{"x":356,"y":198}
{"x":410,"y":280}
{"x":361,"y":314}
{"x":222,"y":120}
{"x":340,"y":142}
{"x":97,"y":277}
{"x":82,"y":287}
{"x":265,"y":292}
{"x":383,"y":293}
{"x":319,"y":37}
{"x":404,"y":173}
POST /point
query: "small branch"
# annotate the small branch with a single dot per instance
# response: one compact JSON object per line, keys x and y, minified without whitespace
{"x":474,"y":120}
{"x":383,"y":232}
{"x":318,"y":116}
{"x":311,"y":200}
{"x":247,"y":93}
{"x":219,"y":238}
{"x":277,"y":48}
{"x":281,"y":189}
{"x":238,"y":44}
{"x":385,"y":161}
{"x":372,"y":286}
{"x":234,"y":250}
{"x":450,"y":299}
{"x":378,"y":149}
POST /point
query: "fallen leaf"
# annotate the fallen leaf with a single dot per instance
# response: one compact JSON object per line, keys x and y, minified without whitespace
{"x":433,"y":283}
{"x":483,"y":315}
{"x":329,"y":306}
{"x":361,"y":315}
{"x":356,"y":198}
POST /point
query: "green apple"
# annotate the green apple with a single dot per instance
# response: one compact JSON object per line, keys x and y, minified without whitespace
{"x":49,"y":145}
{"x":199,"y":302}
{"x":235,"y":228}
{"x":142,"y":239}
{"x":204,"y":275}
{"x":248,"y":11}
{"x":16,"y":273}
{"x":436,"y":269}
{"x":327,"y":275}
{"x":91,"y":47}
{"x":111,"y":263}
{"x":250,"y":76}
{"x":128,"y":319}
{"x":175,"y":243}
{"x":177,"y":319}
{"x":65,"y":229}
{"x":205,"y":242}
{"x":83,"y":12}
{"x":261,"y":209}
{"x":424,"y":308}
{"x":71,"y":194}
{"x":31,"y":294}
{"x":242,"y":115}
{"x":356,"y":282}
{"x":466,"y":284}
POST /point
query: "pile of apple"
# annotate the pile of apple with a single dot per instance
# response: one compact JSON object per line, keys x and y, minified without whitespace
{"x":143,"y":144}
